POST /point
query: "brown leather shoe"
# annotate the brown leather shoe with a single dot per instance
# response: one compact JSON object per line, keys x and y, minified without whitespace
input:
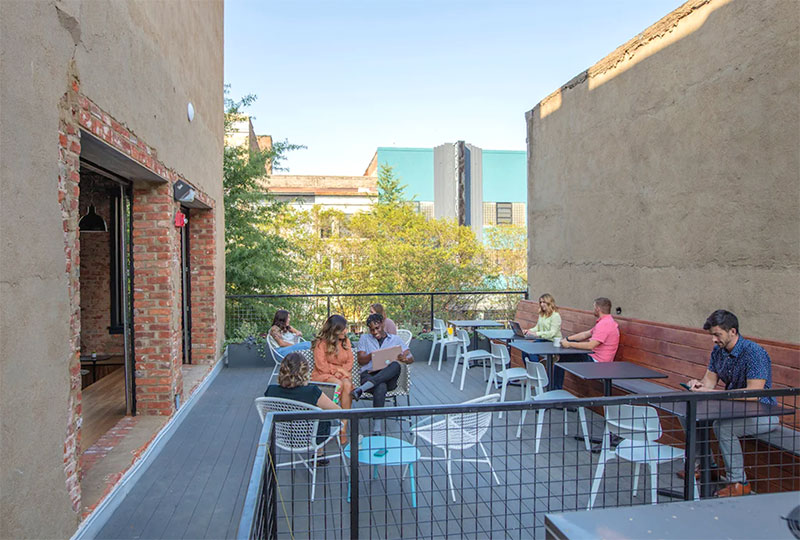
{"x":734,"y":490}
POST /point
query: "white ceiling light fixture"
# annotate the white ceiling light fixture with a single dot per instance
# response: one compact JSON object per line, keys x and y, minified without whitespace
{"x":190,"y":111}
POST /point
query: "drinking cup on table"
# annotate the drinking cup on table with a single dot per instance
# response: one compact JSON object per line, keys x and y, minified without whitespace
{"x":449,"y":330}
{"x":557,"y":342}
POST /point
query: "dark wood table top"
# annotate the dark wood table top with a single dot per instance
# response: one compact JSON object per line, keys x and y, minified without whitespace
{"x":710,"y":518}
{"x":543,"y":347}
{"x":474,"y":323}
{"x":504,"y":335}
{"x":709,"y":410}
{"x":609,"y":370}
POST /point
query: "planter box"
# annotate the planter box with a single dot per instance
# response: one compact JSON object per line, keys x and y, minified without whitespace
{"x":421,"y":349}
{"x":245,"y":354}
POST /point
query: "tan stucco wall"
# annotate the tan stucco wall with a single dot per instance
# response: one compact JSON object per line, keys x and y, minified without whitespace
{"x":141,"y":62}
{"x":666,"y":177}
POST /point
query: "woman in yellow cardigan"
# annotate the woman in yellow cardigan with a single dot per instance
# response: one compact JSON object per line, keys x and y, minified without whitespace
{"x":548,"y":326}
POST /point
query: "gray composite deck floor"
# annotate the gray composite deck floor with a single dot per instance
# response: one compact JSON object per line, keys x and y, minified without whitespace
{"x":196,"y":486}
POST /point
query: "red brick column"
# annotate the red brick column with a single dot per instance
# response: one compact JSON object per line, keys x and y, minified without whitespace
{"x":202,"y":257}
{"x":69,"y":148}
{"x":156,"y":300}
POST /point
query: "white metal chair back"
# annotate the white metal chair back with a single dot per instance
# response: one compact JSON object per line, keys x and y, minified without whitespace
{"x":633,"y":422}
{"x":308,"y":356}
{"x":405,"y":335}
{"x":500,"y":357}
{"x":294,"y":436}
{"x":439,"y":327}
{"x":463,"y":336}
{"x":459,"y":430}
{"x":403,"y":381}
{"x":537,"y":375}
{"x":273,"y":349}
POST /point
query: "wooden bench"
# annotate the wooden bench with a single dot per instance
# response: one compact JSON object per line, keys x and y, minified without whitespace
{"x":772,"y":460}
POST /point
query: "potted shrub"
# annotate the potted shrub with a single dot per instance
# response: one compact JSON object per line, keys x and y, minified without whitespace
{"x":247,"y":346}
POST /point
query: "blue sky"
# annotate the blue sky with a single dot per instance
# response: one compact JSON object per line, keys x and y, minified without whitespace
{"x":344,"y":77}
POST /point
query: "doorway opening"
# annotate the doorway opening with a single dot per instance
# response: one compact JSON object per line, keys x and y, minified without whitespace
{"x":105,"y":283}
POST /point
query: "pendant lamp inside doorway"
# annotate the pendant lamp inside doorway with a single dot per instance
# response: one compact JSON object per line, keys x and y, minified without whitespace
{"x":92,"y":221}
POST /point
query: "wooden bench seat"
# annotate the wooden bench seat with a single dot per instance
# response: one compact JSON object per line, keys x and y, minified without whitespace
{"x":772,"y":460}
{"x":641,"y":386}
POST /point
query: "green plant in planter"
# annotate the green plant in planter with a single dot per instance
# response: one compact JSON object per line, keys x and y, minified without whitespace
{"x":247,"y":334}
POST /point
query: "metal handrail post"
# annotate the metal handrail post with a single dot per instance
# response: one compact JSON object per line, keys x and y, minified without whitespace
{"x":691,"y":450}
{"x":432,"y":313}
{"x":274,"y":487}
{"x":354,"y":478}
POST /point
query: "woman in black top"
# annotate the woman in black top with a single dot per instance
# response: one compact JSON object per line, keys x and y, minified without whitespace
{"x":293,"y":384}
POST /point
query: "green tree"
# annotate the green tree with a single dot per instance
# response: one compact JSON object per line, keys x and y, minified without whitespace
{"x":390,"y":191}
{"x":256,"y":254}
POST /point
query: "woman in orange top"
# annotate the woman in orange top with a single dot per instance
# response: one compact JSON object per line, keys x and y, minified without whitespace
{"x":333,"y":357}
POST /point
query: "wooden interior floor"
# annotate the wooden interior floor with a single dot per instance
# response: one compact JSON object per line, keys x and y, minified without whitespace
{"x":103,"y":405}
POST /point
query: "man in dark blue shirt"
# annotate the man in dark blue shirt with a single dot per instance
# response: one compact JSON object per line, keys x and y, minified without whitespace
{"x":738,"y":363}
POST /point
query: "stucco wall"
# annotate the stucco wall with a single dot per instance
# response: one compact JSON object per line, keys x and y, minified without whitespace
{"x":666,"y":176}
{"x":142,"y":62}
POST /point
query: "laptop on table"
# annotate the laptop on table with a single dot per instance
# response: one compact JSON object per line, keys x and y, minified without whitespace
{"x":518,"y":332}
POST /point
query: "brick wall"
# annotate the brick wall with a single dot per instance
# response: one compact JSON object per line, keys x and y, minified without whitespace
{"x":202,"y":253}
{"x":156,"y":300}
{"x":156,"y":272}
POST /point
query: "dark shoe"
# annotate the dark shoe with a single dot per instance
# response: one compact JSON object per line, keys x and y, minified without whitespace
{"x":572,"y":409}
{"x":715,"y":476}
{"x":734,"y":490}
{"x":356,"y":393}
{"x":682,"y":474}
{"x":322,"y":460}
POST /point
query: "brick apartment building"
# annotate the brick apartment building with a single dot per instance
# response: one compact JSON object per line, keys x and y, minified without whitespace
{"x":112,"y":231}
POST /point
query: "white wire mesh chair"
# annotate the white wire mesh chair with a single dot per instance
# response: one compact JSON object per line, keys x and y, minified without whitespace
{"x":278,"y":357}
{"x":299,"y":437}
{"x":441,"y":338}
{"x":458,"y":432}
{"x":465,"y":356}
{"x":405,"y":335}
{"x":500,"y":371}
{"x":403,"y":381}
{"x":534,"y":390}
{"x":639,"y":427}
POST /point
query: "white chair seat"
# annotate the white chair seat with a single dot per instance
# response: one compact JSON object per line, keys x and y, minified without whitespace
{"x":640,"y":427}
{"x":641,"y":451}
{"x":458,"y":432}
{"x":465,"y":356}
{"x":534,"y":390}
{"x":559,"y":395}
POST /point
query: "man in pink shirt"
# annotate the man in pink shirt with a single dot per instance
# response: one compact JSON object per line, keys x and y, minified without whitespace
{"x":602,"y":340}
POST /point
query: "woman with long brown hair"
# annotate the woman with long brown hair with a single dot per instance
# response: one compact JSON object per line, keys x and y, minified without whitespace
{"x":288,"y":338}
{"x":333,"y":357}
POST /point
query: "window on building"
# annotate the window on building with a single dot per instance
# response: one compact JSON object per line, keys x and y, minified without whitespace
{"x":505,"y":213}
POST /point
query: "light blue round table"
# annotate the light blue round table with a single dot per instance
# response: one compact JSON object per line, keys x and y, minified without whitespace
{"x":398,"y":452}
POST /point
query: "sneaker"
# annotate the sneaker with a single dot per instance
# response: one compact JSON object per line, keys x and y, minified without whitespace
{"x":734,"y":490}
{"x":356,"y":393}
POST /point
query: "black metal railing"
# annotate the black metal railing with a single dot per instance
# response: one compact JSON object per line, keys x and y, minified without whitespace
{"x":252,"y":314}
{"x":497,"y":480}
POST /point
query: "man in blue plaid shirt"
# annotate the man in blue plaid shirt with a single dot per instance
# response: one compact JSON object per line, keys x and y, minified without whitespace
{"x":738,"y":363}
